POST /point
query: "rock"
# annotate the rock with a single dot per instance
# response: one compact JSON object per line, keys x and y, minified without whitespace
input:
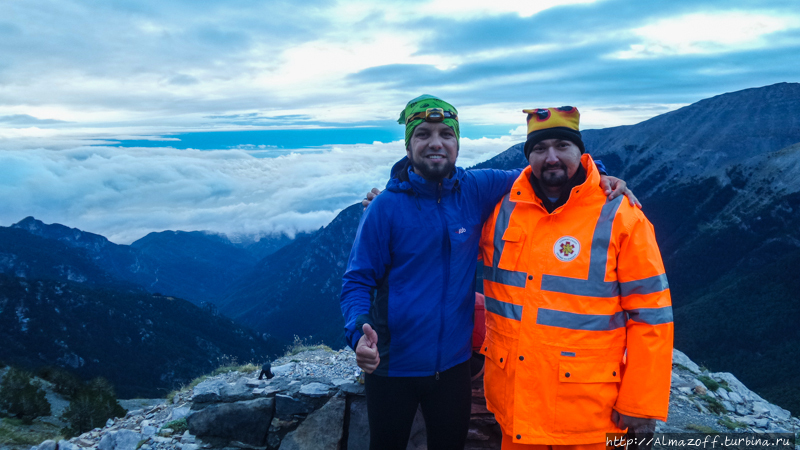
{"x":189,"y":446}
{"x":728,"y":405}
{"x":774,"y":411}
{"x":358,"y":431}
{"x":315,"y":390}
{"x":286,"y":406}
{"x":246,"y":421}
{"x":724,"y":394}
{"x":255,"y":383}
{"x":149,"y":431}
{"x":47,"y":445}
{"x":761,"y":423}
{"x":352,"y":388}
{"x":84,"y":443}
{"x":187,"y":438}
{"x":179,"y":413}
{"x":236,"y":392}
{"x":208,"y":391}
{"x":321,"y":430}
{"x":284,"y":369}
{"x":749,"y":421}
{"x":776,"y":429}
{"x":685,"y":390}
{"x":676,"y":379}
{"x":742,"y":410}
{"x":734,"y":397}
{"x":340,"y":381}
{"x":734,"y":384}
{"x":476,"y":434}
{"x":67,"y":445}
{"x":679,"y":357}
{"x":109,"y":422}
{"x":120,"y":440}
{"x":164,"y":432}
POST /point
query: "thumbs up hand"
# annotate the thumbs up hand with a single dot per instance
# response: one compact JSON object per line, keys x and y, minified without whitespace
{"x":367,"y":356}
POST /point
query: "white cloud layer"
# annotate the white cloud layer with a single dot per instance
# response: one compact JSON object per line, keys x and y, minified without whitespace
{"x":125,"y":193}
{"x":707,"y":33}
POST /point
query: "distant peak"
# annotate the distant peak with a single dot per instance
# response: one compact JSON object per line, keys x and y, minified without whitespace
{"x":28,"y":223}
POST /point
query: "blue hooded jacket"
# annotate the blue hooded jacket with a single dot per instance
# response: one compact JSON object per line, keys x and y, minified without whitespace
{"x":411,"y":272}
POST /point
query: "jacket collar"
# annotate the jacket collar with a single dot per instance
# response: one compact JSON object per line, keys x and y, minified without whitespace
{"x":522,"y":191}
{"x":405,"y":180}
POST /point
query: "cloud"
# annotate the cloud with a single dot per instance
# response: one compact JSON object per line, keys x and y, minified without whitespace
{"x":125,"y":193}
{"x":707,"y":33}
{"x":24,"y":119}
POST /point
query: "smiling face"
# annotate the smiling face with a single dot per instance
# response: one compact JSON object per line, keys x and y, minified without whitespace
{"x":433,"y":150}
{"x":554,"y":162}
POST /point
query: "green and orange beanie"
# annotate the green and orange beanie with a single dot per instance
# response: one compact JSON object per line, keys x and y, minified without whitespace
{"x":553,"y":123}
{"x":424,"y":108}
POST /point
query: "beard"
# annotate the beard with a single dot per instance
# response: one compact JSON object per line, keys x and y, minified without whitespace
{"x":433,"y":171}
{"x":554,"y":179}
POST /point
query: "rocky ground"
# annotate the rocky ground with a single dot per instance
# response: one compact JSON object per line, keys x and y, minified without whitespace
{"x":316,"y":402}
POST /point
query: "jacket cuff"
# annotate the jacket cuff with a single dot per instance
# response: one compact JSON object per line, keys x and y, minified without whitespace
{"x":357,"y":333}
{"x":601,"y":168}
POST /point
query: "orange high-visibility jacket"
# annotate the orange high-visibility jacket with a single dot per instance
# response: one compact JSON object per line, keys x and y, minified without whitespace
{"x":578,"y":315}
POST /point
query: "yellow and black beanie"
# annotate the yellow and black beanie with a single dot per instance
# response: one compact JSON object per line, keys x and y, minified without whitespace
{"x":553,"y":123}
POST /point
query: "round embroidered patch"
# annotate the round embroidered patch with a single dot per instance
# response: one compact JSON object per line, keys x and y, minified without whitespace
{"x":567,"y":248}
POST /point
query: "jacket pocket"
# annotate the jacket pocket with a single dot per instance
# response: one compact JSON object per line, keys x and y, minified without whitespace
{"x":495,"y":376}
{"x":586,"y":392}
{"x":513,"y":241}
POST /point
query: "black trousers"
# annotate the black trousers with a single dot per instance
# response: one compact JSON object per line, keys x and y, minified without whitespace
{"x":446,"y":403}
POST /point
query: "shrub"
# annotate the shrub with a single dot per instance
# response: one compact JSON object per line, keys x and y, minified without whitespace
{"x":710,"y":383}
{"x":178,"y":426}
{"x":91,"y":407}
{"x":64,"y":382}
{"x":303,"y":345}
{"x":701,"y":428}
{"x":730,"y":424}
{"x":714,"y":405}
{"x":21,"y":397}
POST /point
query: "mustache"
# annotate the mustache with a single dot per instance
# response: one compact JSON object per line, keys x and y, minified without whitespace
{"x":558,"y":165}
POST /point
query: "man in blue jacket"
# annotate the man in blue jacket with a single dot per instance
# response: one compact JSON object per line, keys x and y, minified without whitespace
{"x":408,"y":293}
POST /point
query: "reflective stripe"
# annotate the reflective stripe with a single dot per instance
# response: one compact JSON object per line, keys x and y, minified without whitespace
{"x":507,"y":310}
{"x":494,"y":273}
{"x":595,"y":285}
{"x":646,"y":286}
{"x":574,"y":321}
{"x":651,"y":316}
{"x":501,"y":224}
{"x":504,"y":276}
{"x":572,"y":354}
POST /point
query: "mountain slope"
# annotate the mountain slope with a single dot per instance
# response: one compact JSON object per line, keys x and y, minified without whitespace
{"x":296,"y":290}
{"x":28,"y":256}
{"x":145,"y":344}
{"x":197,"y":266}
{"x":194,"y":265}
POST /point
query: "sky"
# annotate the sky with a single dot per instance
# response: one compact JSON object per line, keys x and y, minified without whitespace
{"x":252,"y":118}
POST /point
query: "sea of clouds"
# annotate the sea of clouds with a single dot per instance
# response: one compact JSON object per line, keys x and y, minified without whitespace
{"x":125,"y":193}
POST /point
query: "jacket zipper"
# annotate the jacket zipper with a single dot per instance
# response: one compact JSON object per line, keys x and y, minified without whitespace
{"x":446,"y":276}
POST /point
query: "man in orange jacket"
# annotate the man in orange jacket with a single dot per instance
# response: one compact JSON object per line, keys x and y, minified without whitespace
{"x":578,"y":312}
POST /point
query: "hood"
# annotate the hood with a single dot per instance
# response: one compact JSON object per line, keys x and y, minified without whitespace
{"x":403,"y":179}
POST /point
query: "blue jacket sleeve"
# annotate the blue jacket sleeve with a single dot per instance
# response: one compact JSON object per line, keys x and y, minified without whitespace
{"x":600,"y":167}
{"x":368,"y":262}
{"x":492,"y":185}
